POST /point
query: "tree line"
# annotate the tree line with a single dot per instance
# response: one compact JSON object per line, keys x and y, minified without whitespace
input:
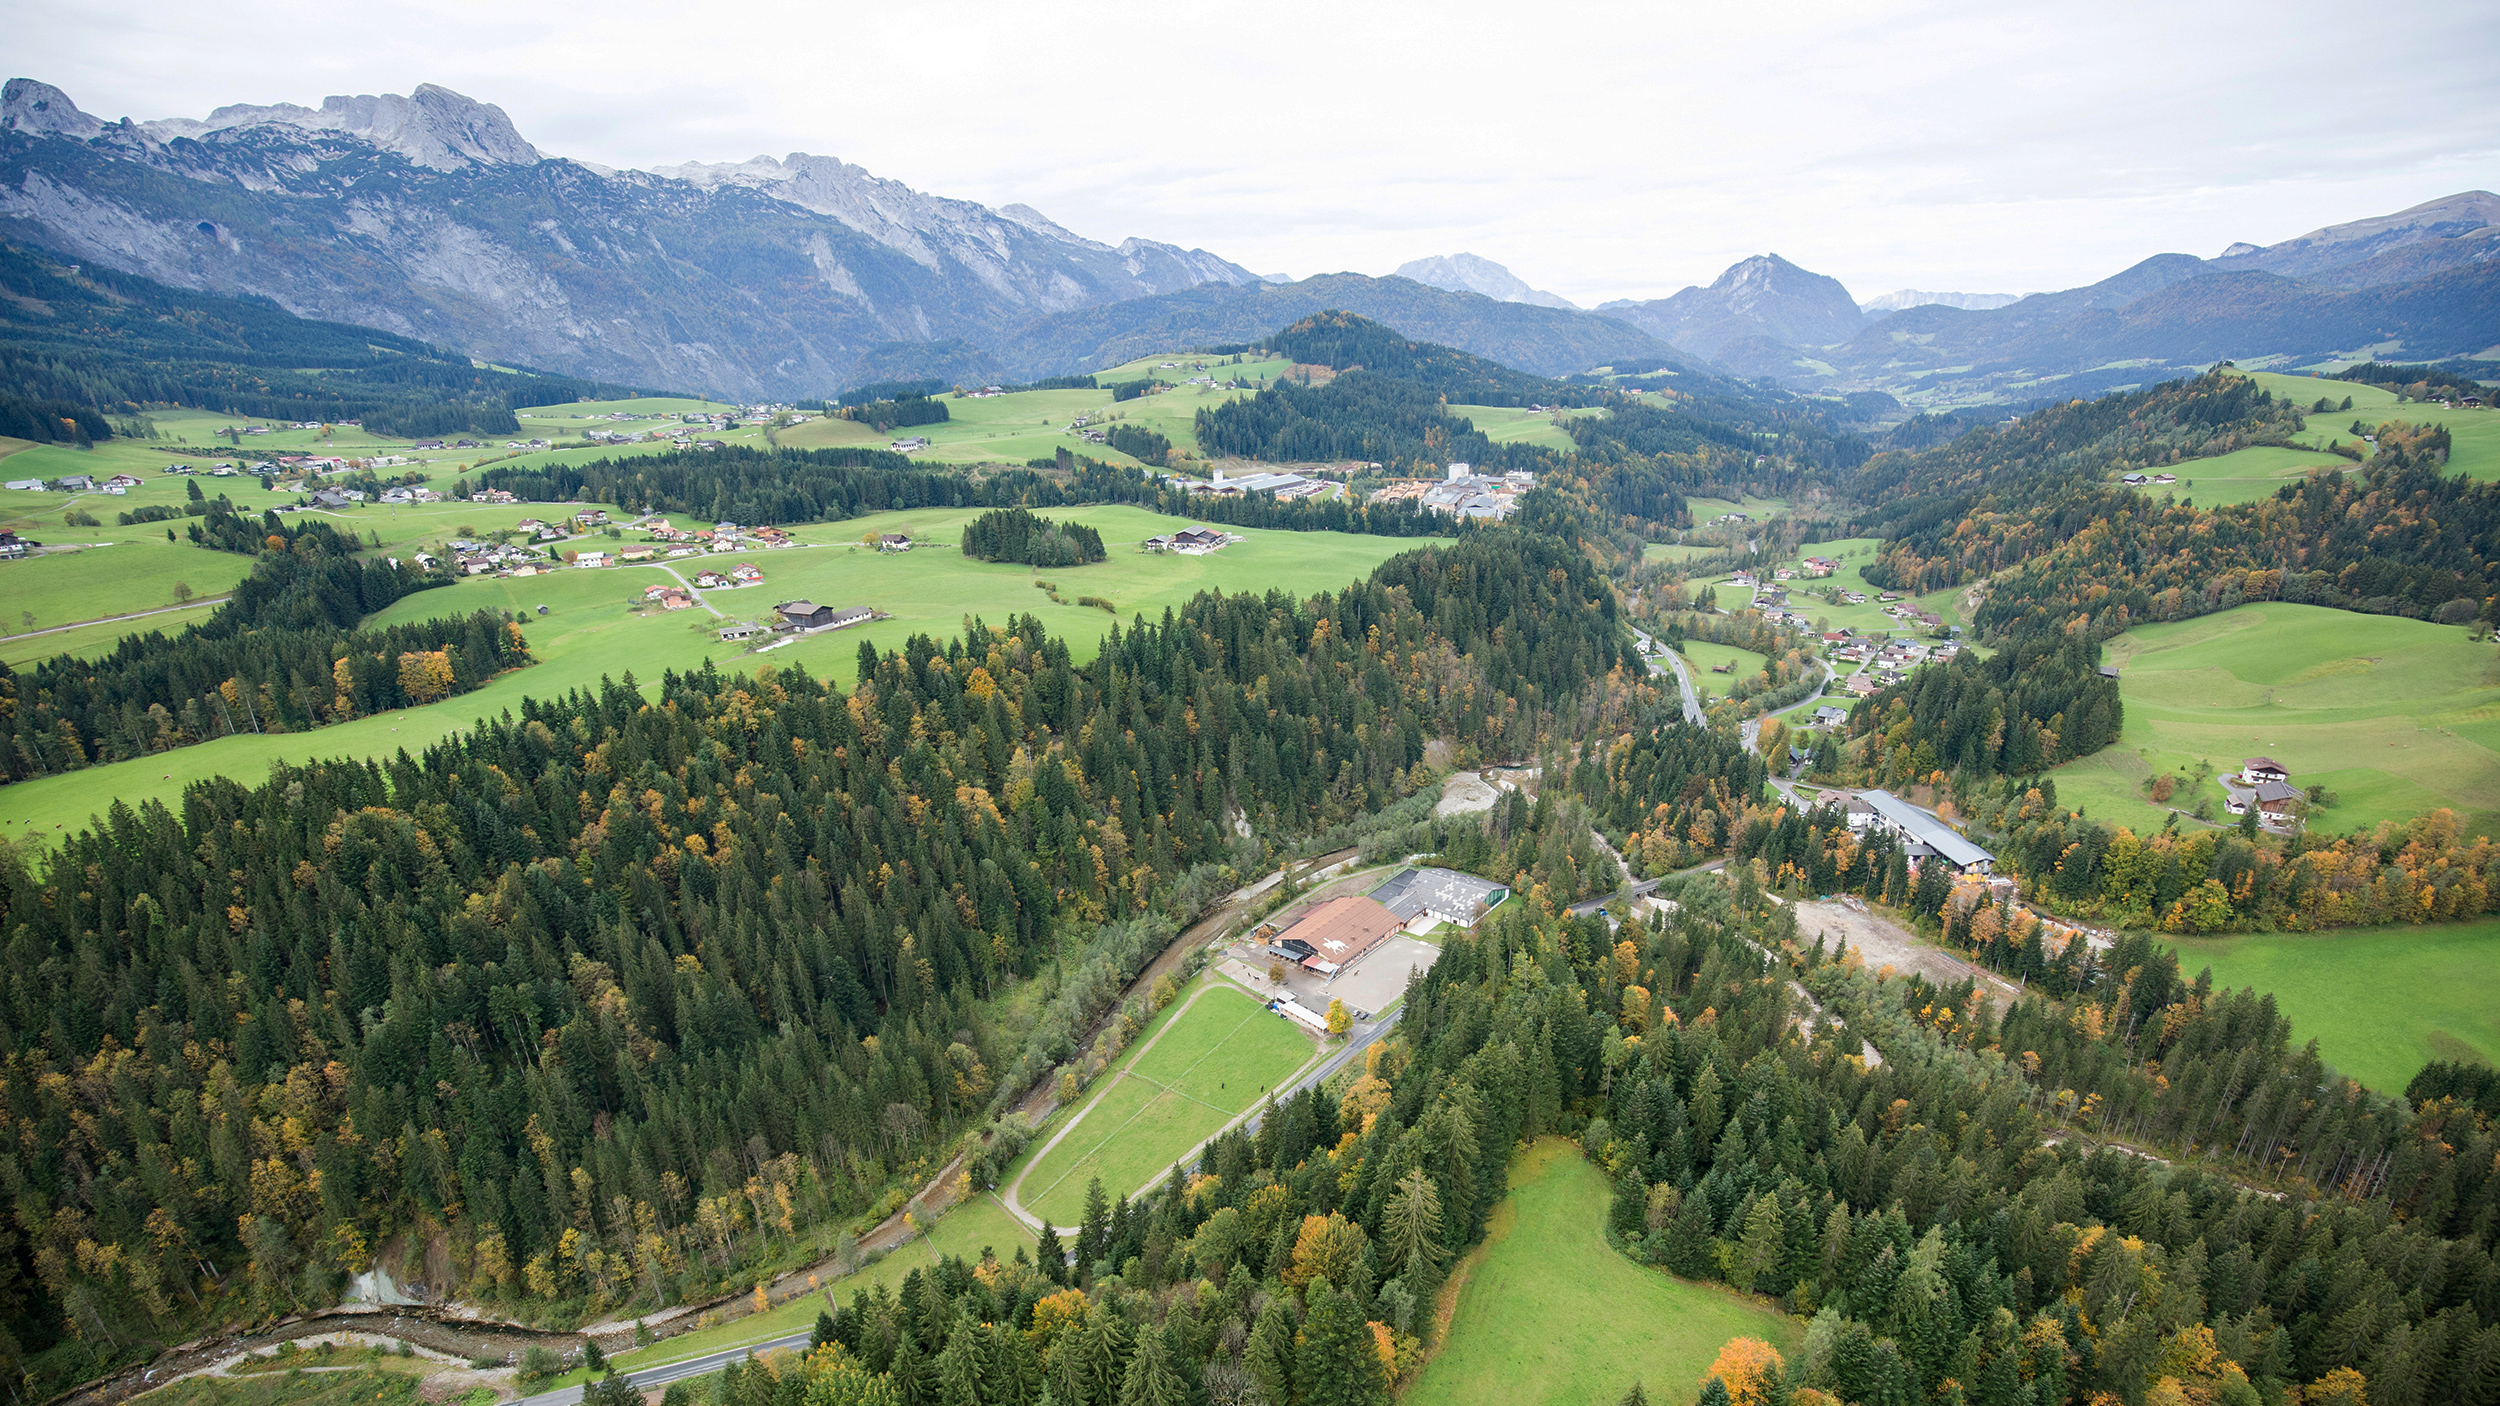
{"x":284,"y":653}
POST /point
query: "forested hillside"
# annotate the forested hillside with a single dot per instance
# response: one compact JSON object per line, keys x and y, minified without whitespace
{"x":606,"y":996}
{"x":115,"y":342}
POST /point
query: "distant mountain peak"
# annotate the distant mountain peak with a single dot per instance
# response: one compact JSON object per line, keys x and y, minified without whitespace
{"x":29,"y":106}
{"x":1906,"y":298}
{"x":2354,"y":241}
{"x":1473,"y":273}
{"x":1761,"y":296}
{"x":432,"y":126}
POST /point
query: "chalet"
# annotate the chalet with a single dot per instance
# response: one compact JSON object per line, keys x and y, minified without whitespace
{"x":709,"y":580}
{"x":1830,"y":715}
{"x":894,"y":542}
{"x":329,"y":498}
{"x":122,"y":481}
{"x":13,"y":546}
{"x":746,"y":575}
{"x":592,"y":559}
{"x":639,"y":553}
{"x":492,"y":495}
{"x":2275,"y":800}
{"x":427,"y":444}
{"x":2132,"y":480}
{"x":76,"y":483}
{"x":2256,"y":771}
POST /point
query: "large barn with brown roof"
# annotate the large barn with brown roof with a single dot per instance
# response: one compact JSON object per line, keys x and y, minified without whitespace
{"x":1338,"y":932}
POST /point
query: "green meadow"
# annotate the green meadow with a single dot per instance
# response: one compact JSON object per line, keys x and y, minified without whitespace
{"x":2474,"y":435}
{"x":595,"y":628}
{"x":2394,"y":716}
{"x":1509,"y":424}
{"x":1854,"y":554}
{"x":1209,"y":1064}
{"x":1550,"y":1313}
{"x":2244,"y":475}
{"x":1759,"y":509}
{"x":2381,"y":1002}
{"x":1678,"y":551}
{"x":1703,"y":658}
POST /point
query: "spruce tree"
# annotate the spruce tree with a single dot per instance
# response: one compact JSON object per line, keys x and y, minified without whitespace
{"x":1051,"y":1256}
{"x":959,"y":1365}
{"x":1337,"y":1364}
{"x":1150,"y":1379}
{"x":1269,"y":1355}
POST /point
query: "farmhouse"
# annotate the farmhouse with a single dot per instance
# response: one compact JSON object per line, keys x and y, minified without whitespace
{"x":731,"y":634}
{"x":1922,"y":833}
{"x":894,"y":542}
{"x":2274,"y":800}
{"x":1337,"y":932}
{"x":1420,"y":898}
{"x":28,"y":485}
{"x":709,"y":580}
{"x":1194,"y":541}
{"x":13,"y":546}
{"x":807,"y":615}
{"x":2256,"y":771}
{"x":76,"y":483}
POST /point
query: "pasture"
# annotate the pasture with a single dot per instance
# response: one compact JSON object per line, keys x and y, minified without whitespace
{"x":594,"y":629}
{"x":1510,"y":424}
{"x":2474,"y":435}
{"x":1758,"y":509}
{"x":1548,"y":1312}
{"x":1703,"y":658}
{"x":2394,"y":716}
{"x":1208,"y":1065}
{"x":2381,"y":1002}
{"x":2244,"y":475}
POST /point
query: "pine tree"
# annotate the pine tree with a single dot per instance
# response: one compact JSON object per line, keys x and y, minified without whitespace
{"x":1050,"y":1255}
{"x":1093,"y":1236}
{"x":1758,"y":1253}
{"x":1337,"y":1365}
{"x":823,"y":1332}
{"x":1151,"y":1380}
{"x":1269,"y":1355}
{"x":959,"y":1365}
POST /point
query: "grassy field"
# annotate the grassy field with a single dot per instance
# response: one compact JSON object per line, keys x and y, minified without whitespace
{"x":2245,"y":475}
{"x":1703,"y":657}
{"x":1209,"y":1064}
{"x":63,"y":588}
{"x":1678,"y":551}
{"x":2474,"y":435}
{"x":2394,"y":716}
{"x":2380,"y":1002}
{"x":1759,"y":509}
{"x":591,"y":630}
{"x":1180,"y":366}
{"x":978,"y":1224}
{"x":1506,"y":424}
{"x":1550,"y":1313}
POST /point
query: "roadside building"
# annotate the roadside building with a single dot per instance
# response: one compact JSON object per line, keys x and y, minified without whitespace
{"x":1422,"y":898}
{"x":1923,"y":833}
{"x":1337,"y":932}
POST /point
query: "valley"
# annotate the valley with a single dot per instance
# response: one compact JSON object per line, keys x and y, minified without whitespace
{"x":547,"y":829}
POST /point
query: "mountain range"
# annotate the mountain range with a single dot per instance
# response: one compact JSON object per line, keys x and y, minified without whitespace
{"x":430,"y":216}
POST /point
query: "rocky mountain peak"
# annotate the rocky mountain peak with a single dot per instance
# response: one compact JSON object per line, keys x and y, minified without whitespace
{"x":29,"y":106}
{"x":432,"y":127}
{"x":1472,"y":273}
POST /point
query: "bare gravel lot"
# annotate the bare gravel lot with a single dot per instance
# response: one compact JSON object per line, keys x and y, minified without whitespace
{"x":1884,"y":943}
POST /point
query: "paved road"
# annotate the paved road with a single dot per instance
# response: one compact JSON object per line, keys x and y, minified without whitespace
{"x":1683,"y":681}
{"x":1626,"y":895}
{"x":668,"y":1372}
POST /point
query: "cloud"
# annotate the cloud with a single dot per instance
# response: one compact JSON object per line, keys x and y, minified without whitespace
{"x":1600,"y":150}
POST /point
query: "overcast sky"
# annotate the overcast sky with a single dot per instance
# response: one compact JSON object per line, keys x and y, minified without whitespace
{"x":1599,"y":151}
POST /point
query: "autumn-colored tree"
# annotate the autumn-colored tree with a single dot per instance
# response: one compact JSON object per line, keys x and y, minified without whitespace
{"x":1750,"y":1368}
{"x":1328,"y":1247}
{"x":425,"y":675}
{"x":2341,"y":1387}
{"x":1340,"y":1020}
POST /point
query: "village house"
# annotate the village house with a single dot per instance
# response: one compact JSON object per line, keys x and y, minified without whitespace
{"x":710,"y":580}
{"x":745,"y":574}
{"x":893,"y":542}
